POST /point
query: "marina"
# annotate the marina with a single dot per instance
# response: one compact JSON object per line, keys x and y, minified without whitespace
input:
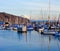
{"x":30,"y":25}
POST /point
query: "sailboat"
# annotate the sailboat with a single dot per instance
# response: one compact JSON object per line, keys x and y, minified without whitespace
{"x":41,"y":28}
{"x":58,"y":28}
{"x":30,"y":26}
{"x":48,"y":31}
{"x":22,"y":28}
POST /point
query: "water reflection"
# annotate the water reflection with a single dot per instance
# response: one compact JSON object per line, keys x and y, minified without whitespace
{"x":22,"y":36}
{"x":58,"y":42}
{"x":31,"y":41}
{"x":56,"y":37}
{"x":29,"y":34}
{"x":25,"y":34}
{"x":19,"y":35}
{"x":49,"y":43}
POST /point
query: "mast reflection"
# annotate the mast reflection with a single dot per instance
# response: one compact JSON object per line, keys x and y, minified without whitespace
{"x":19,"y":35}
{"x":22,"y":36}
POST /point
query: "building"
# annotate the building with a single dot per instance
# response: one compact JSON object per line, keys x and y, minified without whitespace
{"x":12,"y":19}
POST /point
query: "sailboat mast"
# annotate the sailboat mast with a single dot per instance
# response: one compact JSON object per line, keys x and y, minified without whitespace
{"x":30,"y":16}
{"x":49,"y":12}
{"x":42,"y":15}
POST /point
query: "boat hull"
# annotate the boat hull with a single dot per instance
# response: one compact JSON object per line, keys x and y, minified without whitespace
{"x":30,"y":29}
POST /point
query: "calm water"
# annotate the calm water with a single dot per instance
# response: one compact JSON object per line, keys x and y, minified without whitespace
{"x":32,"y":41}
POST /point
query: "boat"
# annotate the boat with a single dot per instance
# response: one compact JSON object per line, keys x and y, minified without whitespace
{"x":40,"y":28}
{"x":14,"y":27}
{"x":30,"y":28}
{"x":45,"y":27}
{"x":57,"y":34}
{"x":48,"y":32}
{"x":52,"y":27}
{"x":36,"y":27}
{"x":1,"y":27}
{"x":22,"y":29}
{"x":58,"y":29}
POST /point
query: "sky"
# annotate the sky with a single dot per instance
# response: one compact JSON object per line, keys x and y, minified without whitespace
{"x":34,"y":8}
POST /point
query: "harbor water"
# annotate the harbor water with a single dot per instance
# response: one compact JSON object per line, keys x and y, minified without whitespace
{"x":30,"y":41}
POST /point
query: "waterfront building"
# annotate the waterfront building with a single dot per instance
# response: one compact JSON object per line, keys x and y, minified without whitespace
{"x":12,"y":19}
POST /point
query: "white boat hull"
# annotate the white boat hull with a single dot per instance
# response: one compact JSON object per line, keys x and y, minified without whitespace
{"x":49,"y":33}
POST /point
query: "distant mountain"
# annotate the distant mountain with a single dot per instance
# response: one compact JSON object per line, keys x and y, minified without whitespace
{"x":13,"y":19}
